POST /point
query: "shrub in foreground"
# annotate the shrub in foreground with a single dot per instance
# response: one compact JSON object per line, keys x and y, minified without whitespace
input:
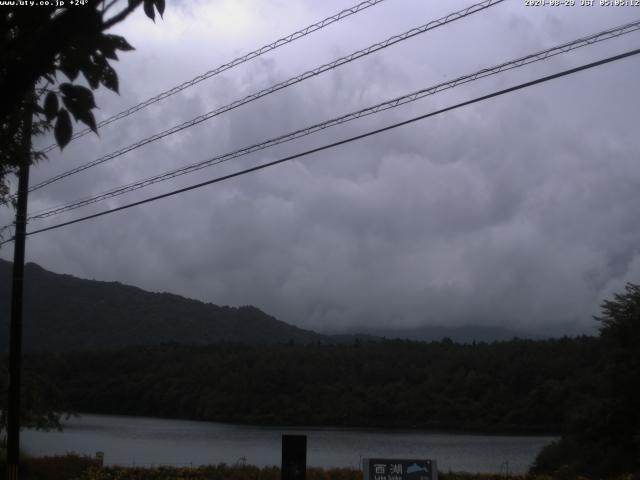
{"x":66,"y":467}
{"x":75,"y":467}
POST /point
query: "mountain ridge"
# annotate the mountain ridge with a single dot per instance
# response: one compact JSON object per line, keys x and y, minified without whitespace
{"x":63,"y":312}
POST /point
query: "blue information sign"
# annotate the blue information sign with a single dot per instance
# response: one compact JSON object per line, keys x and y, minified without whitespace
{"x":399,"y":469}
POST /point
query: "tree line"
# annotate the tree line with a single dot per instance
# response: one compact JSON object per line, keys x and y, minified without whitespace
{"x":521,"y":386}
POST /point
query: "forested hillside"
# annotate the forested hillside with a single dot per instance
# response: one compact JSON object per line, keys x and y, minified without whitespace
{"x":63,"y":312}
{"x":518,"y":386}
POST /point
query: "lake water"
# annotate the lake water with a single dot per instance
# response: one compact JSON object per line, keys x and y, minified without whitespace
{"x":153,"y":441}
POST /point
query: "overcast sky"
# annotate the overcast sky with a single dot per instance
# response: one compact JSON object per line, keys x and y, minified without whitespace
{"x":519,"y":211}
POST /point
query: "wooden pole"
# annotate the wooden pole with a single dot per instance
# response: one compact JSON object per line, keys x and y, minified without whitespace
{"x":15,"y":333}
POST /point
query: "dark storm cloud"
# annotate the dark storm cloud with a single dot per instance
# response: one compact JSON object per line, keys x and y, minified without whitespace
{"x":517,"y":211}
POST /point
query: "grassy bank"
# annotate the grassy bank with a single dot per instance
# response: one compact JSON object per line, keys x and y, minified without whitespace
{"x":73,"y":467}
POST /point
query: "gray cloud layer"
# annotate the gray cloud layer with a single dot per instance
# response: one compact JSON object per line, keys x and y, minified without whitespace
{"x":518,"y":211}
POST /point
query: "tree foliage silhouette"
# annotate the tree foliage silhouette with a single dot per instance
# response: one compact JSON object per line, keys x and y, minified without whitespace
{"x":38,"y":43}
{"x":603,"y":436}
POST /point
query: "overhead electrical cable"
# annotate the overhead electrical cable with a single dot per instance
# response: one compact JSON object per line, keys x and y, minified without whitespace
{"x":274,"y":88}
{"x":347,"y":12}
{"x":388,"y":104}
{"x":340,"y":142}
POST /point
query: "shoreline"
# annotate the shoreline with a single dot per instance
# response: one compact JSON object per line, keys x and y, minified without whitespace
{"x":500,"y":431}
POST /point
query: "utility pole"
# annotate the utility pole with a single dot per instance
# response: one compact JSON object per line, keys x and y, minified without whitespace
{"x":15,"y":333}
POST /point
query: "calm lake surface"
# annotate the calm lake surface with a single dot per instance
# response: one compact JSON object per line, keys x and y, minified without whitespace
{"x":154,"y":441}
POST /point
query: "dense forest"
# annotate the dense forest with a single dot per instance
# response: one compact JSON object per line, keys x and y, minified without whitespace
{"x":516,"y":386}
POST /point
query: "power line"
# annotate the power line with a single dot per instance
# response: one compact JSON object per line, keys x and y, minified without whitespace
{"x":347,"y":12}
{"x":274,"y":88}
{"x":395,"y":102}
{"x":340,"y":142}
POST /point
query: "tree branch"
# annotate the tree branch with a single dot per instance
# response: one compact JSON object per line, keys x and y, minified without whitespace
{"x":105,"y":8}
{"x":124,"y":13}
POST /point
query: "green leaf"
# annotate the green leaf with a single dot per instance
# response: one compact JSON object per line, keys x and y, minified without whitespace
{"x":78,"y":100}
{"x":148,"y":9}
{"x":69,"y":67}
{"x":91,"y":72}
{"x":89,"y":120}
{"x":120,"y":43}
{"x":107,"y":46}
{"x":109,"y":78}
{"x":51,"y":105}
{"x":63,"y":129}
{"x":78,"y":95}
{"x":160,"y":6}
{"x":107,"y":75}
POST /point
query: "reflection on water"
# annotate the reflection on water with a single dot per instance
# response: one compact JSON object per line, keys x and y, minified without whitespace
{"x":145,"y":441}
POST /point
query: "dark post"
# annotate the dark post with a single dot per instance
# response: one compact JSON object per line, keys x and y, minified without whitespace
{"x":294,"y":457}
{"x":15,"y":333}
